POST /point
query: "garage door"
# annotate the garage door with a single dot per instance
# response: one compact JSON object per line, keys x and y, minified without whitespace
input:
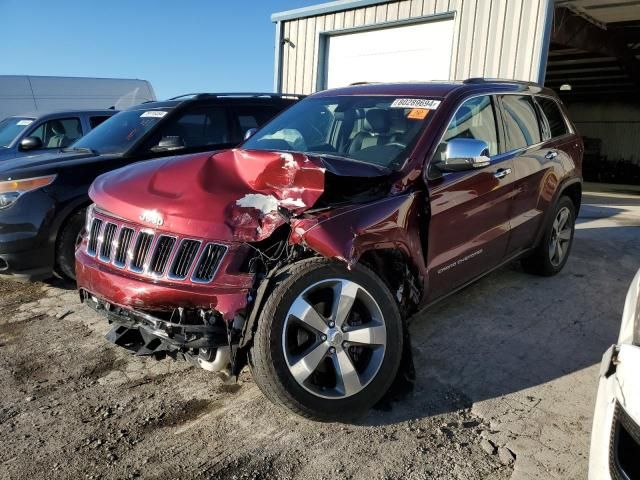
{"x":416,"y":52}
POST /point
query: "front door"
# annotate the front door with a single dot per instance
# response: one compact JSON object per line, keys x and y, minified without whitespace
{"x":469,"y":226}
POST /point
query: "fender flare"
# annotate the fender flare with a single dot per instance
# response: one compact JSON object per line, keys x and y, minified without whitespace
{"x":63,"y":215}
{"x":556,"y":197}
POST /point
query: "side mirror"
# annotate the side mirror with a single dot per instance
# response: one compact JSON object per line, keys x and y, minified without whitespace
{"x":168,"y":143}
{"x":465,"y":154}
{"x":30,"y":143}
{"x":249,"y":133}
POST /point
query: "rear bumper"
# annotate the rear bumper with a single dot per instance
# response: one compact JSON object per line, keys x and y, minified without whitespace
{"x":615,"y":436}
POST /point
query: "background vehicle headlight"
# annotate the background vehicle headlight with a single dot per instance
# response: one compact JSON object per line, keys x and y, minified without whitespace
{"x":11,"y":190}
{"x":89,"y":217}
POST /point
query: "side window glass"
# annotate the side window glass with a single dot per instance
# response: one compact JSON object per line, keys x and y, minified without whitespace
{"x":474,"y":119}
{"x":38,"y":133}
{"x":555,"y":119}
{"x":58,"y":133}
{"x":198,"y":127}
{"x":95,"y":121}
{"x":251,"y":117}
{"x":521,"y":121}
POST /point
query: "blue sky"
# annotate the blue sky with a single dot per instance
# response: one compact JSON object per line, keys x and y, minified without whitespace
{"x":179,"y":46}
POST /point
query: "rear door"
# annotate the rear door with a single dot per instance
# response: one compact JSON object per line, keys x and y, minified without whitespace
{"x":535,"y":154}
{"x":469,"y":226}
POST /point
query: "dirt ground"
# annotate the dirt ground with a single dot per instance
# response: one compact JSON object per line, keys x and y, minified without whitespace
{"x":507,"y":371}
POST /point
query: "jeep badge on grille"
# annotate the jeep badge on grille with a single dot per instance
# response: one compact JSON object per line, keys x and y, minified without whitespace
{"x":152,"y":217}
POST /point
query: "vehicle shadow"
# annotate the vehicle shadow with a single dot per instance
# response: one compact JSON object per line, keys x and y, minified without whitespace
{"x":512,"y":331}
{"x":60,"y":283}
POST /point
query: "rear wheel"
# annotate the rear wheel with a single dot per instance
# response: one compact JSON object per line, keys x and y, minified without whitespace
{"x":329,"y":340}
{"x":68,"y":239}
{"x":553,"y":252}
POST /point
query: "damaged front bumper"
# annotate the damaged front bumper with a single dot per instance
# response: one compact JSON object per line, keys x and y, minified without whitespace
{"x":205,"y":345}
{"x":189,"y":322}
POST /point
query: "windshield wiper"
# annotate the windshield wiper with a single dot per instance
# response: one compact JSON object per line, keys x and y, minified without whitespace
{"x":80,"y":150}
{"x":349,"y":159}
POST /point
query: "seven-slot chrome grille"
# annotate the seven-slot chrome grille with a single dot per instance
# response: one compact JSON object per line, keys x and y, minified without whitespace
{"x":151,"y":253}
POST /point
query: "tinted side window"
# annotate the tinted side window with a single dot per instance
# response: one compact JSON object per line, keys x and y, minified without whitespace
{"x":95,"y":121}
{"x":251,"y":117}
{"x":58,"y":133}
{"x":196,"y":127}
{"x":521,"y":121}
{"x":555,"y":119}
{"x":474,"y":119}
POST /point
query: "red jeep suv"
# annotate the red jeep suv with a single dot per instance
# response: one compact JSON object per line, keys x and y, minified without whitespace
{"x":304,"y":251}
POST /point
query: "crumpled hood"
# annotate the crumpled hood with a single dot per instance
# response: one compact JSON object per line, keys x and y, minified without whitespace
{"x":234,"y":195}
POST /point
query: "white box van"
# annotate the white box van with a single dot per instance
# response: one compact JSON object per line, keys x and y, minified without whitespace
{"x":23,"y":93}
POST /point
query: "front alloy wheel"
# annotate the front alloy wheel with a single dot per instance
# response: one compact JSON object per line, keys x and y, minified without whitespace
{"x":329,"y":340}
{"x":334,"y":338}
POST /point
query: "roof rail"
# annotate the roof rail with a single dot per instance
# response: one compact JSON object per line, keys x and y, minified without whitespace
{"x":202,"y":95}
{"x":475,"y":80}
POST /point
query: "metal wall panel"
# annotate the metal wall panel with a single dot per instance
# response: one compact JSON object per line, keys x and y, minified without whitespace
{"x":616,"y":124}
{"x":492,"y":38}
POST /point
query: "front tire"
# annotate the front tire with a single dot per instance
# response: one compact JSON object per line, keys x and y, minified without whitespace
{"x":553,"y":252}
{"x":329,"y":340}
{"x":68,"y":239}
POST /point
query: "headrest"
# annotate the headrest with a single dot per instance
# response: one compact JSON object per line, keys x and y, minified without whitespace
{"x":378,"y":119}
{"x":57,"y":128}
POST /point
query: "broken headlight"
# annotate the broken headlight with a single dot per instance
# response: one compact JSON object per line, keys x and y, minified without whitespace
{"x":12,"y":190}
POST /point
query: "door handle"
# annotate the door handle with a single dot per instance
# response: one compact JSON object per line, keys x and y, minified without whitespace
{"x":503,"y":172}
{"x":551,"y":155}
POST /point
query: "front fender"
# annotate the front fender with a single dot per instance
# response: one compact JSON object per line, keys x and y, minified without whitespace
{"x":345,"y":234}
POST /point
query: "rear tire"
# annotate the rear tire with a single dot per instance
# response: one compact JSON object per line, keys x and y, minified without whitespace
{"x":551,"y":255}
{"x":320,"y":353}
{"x":68,"y":239}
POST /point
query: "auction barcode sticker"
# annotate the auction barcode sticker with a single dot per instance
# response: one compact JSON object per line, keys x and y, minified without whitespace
{"x":153,"y":114}
{"x":427,"y":103}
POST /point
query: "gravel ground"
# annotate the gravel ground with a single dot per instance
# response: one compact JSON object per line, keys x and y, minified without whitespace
{"x":506,"y":381}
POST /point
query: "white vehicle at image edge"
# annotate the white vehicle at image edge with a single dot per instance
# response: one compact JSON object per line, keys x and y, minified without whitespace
{"x":615,"y":436}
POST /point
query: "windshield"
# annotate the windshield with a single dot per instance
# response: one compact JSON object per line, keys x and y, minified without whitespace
{"x":379,"y":130}
{"x":121,"y":131}
{"x":10,"y":128}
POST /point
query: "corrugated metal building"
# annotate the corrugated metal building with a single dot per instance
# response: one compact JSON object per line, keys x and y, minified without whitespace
{"x":489,"y":38}
{"x":587,"y":50}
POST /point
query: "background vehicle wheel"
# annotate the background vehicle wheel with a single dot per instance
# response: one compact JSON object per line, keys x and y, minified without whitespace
{"x":329,"y":340}
{"x":552,"y":253}
{"x":68,"y":239}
